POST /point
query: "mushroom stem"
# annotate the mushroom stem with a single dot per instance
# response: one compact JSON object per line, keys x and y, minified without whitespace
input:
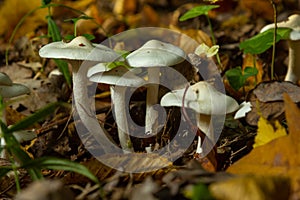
{"x":151,"y":123}
{"x":293,"y":73}
{"x":83,"y":106}
{"x":204,"y":124}
{"x":4,"y":154}
{"x":119,"y":98}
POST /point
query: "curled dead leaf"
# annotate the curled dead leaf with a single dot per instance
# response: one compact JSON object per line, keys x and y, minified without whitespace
{"x":267,"y":100}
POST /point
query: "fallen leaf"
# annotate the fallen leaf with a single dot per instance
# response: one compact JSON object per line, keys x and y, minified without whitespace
{"x":278,"y":157}
{"x":261,"y":8}
{"x":122,"y":7}
{"x":152,"y":164}
{"x":20,"y":8}
{"x":266,"y":132}
{"x":189,"y":45}
{"x":251,"y":187}
{"x":273,"y":91}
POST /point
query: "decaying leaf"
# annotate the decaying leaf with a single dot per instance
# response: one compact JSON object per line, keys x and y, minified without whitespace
{"x":199,"y":36}
{"x":266,"y":132}
{"x":278,"y":157}
{"x":151,"y":164}
{"x":251,"y":187}
{"x":261,"y":8}
{"x":267,"y":100}
{"x":273,"y":91}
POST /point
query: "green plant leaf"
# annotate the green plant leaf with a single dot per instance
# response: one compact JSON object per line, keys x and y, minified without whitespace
{"x":89,"y":36}
{"x":35,"y":117}
{"x":235,"y":78}
{"x":201,"y":192}
{"x":197,"y":11}
{"x":4,"y":170}
{"x":45,"y":2}
{"x":61,"y":164}
{"x":53,"y":30}
{"x":74,"y":20}
{"x":250,"y":71}
{"x":69,"y":37}
{"x":14,"y":149}
{"x":263,"y":41}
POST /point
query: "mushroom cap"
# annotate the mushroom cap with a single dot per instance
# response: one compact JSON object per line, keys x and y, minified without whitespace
{"x":4,"y":79}
{"x":203,"y":98}
{"x":13,"y":90}
{"x":78,"y":49}
{"x":155,"y":53}
{"x":293,"y":23}
{"x":120,"y":76}
{"x":99,"y":68}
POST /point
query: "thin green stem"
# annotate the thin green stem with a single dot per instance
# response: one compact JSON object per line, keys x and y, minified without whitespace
{"x":214,"y":42}
{"x":254,"y":65}
{"x":17,"y":181}
{"x":75,"y":29}
{"x":274,"y":39}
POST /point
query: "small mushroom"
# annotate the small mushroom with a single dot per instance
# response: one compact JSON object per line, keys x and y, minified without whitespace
{"x":14,"y":90}
{"x":122,"y":78}
{"x":293,"y":22}
{"x":75,"y":52}
{"x":206,"y":101}
{"x":4,"y":79}
{"x":153,"y":55}
{"x":8,"y":89}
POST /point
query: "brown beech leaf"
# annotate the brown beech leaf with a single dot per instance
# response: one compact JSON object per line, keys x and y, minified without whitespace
{"x":267,"y":100}
{"x":273,"y":91}
{"x":278,"y":157}
{"x":152,"y":164}
{"x":269,"y":110}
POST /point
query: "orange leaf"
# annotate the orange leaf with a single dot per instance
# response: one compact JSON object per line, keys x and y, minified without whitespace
{"x":278,"y":157}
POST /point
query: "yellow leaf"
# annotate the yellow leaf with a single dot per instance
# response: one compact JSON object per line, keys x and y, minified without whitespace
{"x":11,"y":12}
{"x":266,"y":132}
{"x":249,"y":187}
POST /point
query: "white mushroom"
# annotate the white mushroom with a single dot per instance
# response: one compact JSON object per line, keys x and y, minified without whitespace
{"x":293,"y":22}
{"x":206,"y":101}
{"x":153,"y":55}
{"x":122,"y":78}
{"x":4,"y":79}
{"x":8,"y":89}
{"x":75,"y":52}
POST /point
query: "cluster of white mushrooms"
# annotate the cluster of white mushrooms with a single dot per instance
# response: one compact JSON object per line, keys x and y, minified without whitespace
{"x":202,"y":97}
